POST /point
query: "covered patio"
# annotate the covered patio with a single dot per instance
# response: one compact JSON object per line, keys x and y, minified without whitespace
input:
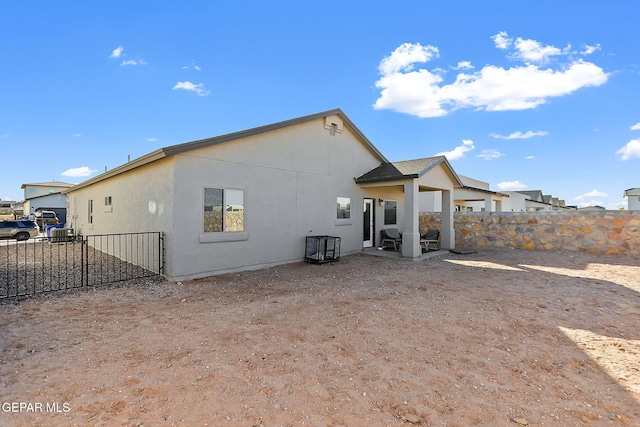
{"x":408,"y":179}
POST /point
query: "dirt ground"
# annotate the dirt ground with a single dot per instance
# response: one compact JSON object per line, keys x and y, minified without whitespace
{"x":496,"y":338}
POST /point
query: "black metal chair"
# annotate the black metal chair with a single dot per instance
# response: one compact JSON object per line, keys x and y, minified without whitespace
{"x":391,"y":236}
{"x":431,"y":237}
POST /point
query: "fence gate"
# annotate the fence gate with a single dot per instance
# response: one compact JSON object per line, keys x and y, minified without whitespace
{"x":41,"y":265}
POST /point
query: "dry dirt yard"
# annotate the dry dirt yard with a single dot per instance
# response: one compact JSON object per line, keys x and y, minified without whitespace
{"x":496,"y":338}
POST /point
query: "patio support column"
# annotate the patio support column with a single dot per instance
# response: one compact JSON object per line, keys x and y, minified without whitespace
{"x":411,"y":233}
{"x":447,"y":234}
{"x":487,"y":204}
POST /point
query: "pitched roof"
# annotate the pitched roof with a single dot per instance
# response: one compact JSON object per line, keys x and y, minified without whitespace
{"x":407,"y":169}
{"x":202,"y":143}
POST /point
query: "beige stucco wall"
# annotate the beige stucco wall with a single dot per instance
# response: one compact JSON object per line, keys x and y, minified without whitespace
{"x":605,"y":232}
{"x":291,"y":178}
{"x":141,"y":202}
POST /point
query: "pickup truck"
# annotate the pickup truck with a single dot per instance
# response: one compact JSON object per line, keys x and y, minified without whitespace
{"x":44,"y":218}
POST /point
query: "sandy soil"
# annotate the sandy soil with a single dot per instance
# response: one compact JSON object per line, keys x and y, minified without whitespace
{"x":496,"y":338}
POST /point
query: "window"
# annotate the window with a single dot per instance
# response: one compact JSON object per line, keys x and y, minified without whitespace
{"x":223,"y":210}
{"x":90,"y":214}
{"x":108,"y":201}
{"x":390,"y":212}
{"x":344,"y":207}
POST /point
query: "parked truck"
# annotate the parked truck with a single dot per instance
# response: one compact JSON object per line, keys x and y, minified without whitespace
{"x":44,"y":218}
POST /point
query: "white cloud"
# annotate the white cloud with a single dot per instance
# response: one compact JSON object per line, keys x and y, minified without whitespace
{"x":464,"y":65}
{"x":520,"y":135}
{"x":193,"y":66}
{"x":133,"y":62}
{"x":423,"y":93}
{"x":458,"y":152}
{"x":191,"y":87}
{"x":502,"y":40}
{"x":511,"y":185}
{"x":630,"y":151}
{"x":76,"y":135}
{"x":529,"y":157}
{"x":588,"y":50}
{"x":152,"y":139}
{"x":117,"y":52}
{"x":590,"y":194}
{"x":529,"y":51}
{"x":490,"y":154}
{"x":403,"y":58}
{"x":78,"y":172}
{"x":636,"y":126}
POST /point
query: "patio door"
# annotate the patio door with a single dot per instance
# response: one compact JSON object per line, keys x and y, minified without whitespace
{"x":367,"y":232}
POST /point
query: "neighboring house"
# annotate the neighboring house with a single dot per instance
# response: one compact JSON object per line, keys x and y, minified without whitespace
{"x":247,"y":200}
{"x":6,"y":209}
{"x":536,"y":201}
{"x":556,"y":204}
{"x":473,"y":196}
{"x":633,"y":198}
{"x":46,"y":196}
{"x":593,"y":208}
{"x":476,"y":196}
{"x":517,"y":202}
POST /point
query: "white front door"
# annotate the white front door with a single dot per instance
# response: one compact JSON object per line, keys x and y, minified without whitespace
{"x":368,"y":233}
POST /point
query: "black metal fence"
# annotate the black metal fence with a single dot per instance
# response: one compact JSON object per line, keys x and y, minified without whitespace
{"x":41,"y":265}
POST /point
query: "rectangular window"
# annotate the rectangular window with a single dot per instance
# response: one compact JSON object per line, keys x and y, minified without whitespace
{"x":223,"y":210}
{"x":344,"y":207}
{"x":107,"y":201}
{"x":390,"y":212}
{"x":90,"y":213}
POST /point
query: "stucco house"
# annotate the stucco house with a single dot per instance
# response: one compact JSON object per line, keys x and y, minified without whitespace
{"x":47,"y":196}
{"x":248,"y":199}
{"x":633,"y":198}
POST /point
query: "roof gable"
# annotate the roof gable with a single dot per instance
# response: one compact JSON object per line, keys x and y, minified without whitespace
{"x":207,"y":142}
{"x":408,"y":169}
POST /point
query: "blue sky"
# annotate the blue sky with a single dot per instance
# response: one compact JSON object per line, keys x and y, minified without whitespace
{"x":528,"y":95}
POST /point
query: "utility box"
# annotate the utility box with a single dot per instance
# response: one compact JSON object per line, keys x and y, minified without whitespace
{"x":321,"y":249}
{"x":60,"y":235}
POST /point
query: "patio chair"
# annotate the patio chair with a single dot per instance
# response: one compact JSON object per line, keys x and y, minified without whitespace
{"x":431,"y":237}
{"x":391,"y":236}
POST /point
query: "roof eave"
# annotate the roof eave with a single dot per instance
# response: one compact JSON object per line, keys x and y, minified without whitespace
{"x":133,"y":164}
{"x":385,"y":178}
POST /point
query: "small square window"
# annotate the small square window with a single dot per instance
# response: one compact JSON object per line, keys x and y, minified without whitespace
{"x":223,"y":210}
{"x":344,"y":207}
{"x":107,"y":201}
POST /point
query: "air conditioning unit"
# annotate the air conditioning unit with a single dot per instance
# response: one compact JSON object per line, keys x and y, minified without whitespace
{"x":61,"y":235}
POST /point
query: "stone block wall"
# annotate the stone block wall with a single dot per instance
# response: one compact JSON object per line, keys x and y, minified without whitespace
{"x":213,"y":221}
{"x":599,"y":232}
